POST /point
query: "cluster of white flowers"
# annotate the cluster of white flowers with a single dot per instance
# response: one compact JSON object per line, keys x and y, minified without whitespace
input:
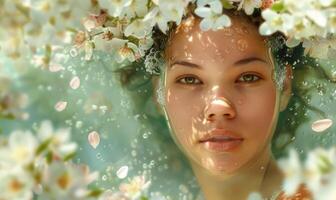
{"x":312,"y":22}
{"x":125,"y":27}
{"x":135,"y":189}
{"x":317,"y":173}
{"x":129,"y":31}
{"x":36,"y":165}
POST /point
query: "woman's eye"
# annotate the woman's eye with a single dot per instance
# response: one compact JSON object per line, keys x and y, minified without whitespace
{"x":248,"y":78}
{"x":190,"y":80}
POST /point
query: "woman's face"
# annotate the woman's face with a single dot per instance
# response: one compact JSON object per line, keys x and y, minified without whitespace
{"x":220,"y":95}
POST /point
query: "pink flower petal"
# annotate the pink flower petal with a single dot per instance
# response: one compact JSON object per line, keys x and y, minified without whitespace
{"x":321,"y":125}
{"x":55,"y":67}
{"x":75,"y":83}
{"x":94,"y":139}
{"x":60,"y":106}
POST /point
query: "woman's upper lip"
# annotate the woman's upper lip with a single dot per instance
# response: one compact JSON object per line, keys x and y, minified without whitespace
{"x":220,"y":134}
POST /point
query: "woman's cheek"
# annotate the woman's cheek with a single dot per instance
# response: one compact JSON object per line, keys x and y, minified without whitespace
{"x":183,"y":107}
{"x":258,"y":112}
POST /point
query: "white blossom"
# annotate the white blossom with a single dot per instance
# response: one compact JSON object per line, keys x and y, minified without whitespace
{"x":136,"y":8}
{"x":59,"y":140}
{"x":319,"y":167}
{"x":275,"y":22}
{"x":212,"y":16}
{"x":138,"y":28}
{"x":249,"y":5}
{"x":16,"y":184}
{"x":135,"y":187}
{"x":293,"y":172}
{"x":21,"y":148}
{"x":115,"y":7}
{"x":125,"y":50}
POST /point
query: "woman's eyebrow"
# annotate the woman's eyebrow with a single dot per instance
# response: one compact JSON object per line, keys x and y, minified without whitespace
{"x":249,"y":60}
{"x":186,"y":64}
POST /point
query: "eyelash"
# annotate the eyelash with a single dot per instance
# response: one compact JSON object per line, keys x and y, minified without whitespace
{"x":255,"y":79}
{"x":249,"y":74}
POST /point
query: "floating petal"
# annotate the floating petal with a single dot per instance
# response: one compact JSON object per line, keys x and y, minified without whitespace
{"x":75,"y":83}
{"x":94,"y":139}
{"x":55,"y":67}
{"x":321,"y":125}
{"x":60,"y":106}
{"x":122,"y":172}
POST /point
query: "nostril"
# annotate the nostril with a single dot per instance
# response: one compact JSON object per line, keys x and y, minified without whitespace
{"x":211,"y":116}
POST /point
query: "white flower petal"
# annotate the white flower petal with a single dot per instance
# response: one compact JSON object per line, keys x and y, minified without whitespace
{"x":75,"y":83}
{"x":318,"y":17}
{"x":321,"y":125}
{"x":216,"y":7}
{"x":222,"y":21}
{"x":266,"y":29}
{"x":94,"y":139}
{"x":206,"y":24}
{"x":122,"y":172}
{"x":203,"y":12}
{"x":54,"y":67}
{"x":60,"y":106}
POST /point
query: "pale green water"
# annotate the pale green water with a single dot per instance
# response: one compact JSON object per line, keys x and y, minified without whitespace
{"x":133,"y":133}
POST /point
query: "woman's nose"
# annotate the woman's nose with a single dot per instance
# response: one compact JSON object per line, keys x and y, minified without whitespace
{"x":219,"y":108}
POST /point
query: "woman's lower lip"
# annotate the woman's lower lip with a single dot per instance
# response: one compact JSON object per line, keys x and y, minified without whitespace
{"x":222,"y":145}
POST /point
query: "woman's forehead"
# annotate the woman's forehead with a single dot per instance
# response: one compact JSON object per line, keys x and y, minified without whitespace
{"x":239,"y":40}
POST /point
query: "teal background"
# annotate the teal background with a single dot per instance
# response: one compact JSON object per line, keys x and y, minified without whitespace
{"x":132,"y":131}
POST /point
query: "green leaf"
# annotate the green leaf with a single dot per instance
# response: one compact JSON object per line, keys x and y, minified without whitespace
{"x":226,"y":4}
{"x":144,"y":198}
{"x":49,"y":157}
{"x":69,"y":156}
{"x":95,"y":192}
{"x":325,"y":165}
{"x":43,"y":146}
{"x":278,"y":6}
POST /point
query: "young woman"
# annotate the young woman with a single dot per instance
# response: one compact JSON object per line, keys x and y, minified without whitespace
{"x":221,"y":93}
{"x":222,"y":104}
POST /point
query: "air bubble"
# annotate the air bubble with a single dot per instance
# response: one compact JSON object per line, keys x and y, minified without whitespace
{"x":73,"y":52}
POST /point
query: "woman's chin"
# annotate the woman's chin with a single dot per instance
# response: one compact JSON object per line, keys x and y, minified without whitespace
{"x":218,"y":166}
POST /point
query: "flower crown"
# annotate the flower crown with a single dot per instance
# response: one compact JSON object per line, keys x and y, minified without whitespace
{"x":127,"y":26}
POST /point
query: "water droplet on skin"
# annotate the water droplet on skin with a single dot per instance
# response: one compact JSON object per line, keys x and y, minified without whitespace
{"x":94,"y":139}
{"x":227,"y":32}
{"x":60,"y":106}
{"x":321,"y":125}
{"x":242,"y":44}
{"x":122,"y":172}
{"x":240,"y":31}
{"x":245,"y":30}
{"x":73,"y":52}
{"x":75,"y":83}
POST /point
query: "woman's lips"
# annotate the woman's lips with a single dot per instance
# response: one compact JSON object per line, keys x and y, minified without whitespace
{"x":220,"y":140}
